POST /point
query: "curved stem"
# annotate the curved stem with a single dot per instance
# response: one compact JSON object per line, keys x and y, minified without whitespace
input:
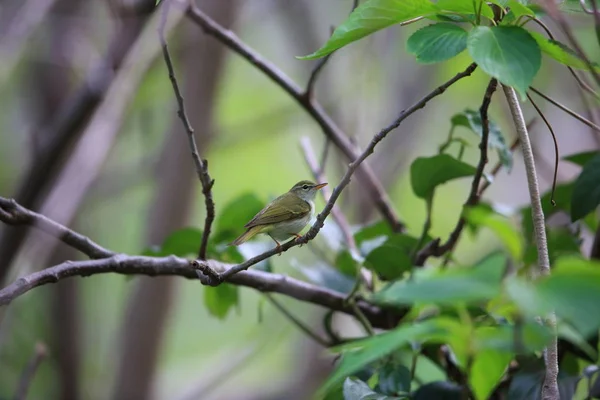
{"x":550,"y":386}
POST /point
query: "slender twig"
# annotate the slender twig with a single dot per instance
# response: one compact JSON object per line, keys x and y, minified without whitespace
{"x":12,"y":213}
{"x":295,"y":321}
{"x":565,"y":109}
{"x":365,"y":174}
{"x":200,"y":164}
{"x":473,"y":198}
{"x":29,"y":372}
{"x":316,"y":227}
{"x":336,"y":213}
{"x":550,"y":386}
{"x":556,"y":153}
{"x":361,"y":317}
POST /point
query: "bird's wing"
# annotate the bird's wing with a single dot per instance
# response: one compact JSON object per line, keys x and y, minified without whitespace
{"x":288,"y":207}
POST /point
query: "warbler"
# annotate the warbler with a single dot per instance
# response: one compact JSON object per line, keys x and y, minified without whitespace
{"x":285,"y":216}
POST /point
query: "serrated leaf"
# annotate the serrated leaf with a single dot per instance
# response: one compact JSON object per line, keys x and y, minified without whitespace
{"x":581,"y":158}
{"x":560,"y":52}
{"x":507,"y":53}
{"x":370,"y":17}
{"x":437,"y":42}
{"x":586,"y":190}
{"x":220,"y":299}
{"x":426,"y":173}
{"x":472,"y":119}
{"x":472,"y":284}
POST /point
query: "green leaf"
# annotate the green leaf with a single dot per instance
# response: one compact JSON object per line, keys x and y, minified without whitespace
{"x":231,"y":221}
{"x":426,"y":173}
{"x":355,"y":389}
{"x":346,"y":264}
{"x":471,"y":119}
{"x":392,"y":259}
{"x":480,"y":282}
{"x":465,"y":7}
{"x":439,"y":390}
{"x":220,"y":299}
{"x":359,"y":353}
{"x":500,"y":225}
{"x":182,"y":242}
{"x":508,"y":53}
{"x":581,"y":158}
{"x":370,"y":17}
{"x":437,"y":42}
{"x":487,"y":369}
{"x":586,"y":190}
{"x":517,"y":9}
{"x":393,"y":379}
{"x":560,"y":52}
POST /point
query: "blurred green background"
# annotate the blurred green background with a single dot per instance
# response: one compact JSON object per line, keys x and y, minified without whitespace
{"x":106,"y":332}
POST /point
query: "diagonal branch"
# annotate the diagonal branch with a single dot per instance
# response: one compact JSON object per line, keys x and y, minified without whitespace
{"x":217,"y":278}
{"x":434,"y":249}
{"x":28,"y":374}
{"x":200,"y":164}
{"x":314,"y":109}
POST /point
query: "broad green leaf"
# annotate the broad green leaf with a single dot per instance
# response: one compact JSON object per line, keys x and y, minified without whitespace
{"x":500,"y":225}
{"x":393,"y":258}
{"x":183,"y":242}
{"x":573,"y":291}
{"x":346,"y":264}
{"x":426,"y":173}
{"x":437,"y":42}
{"x":355,"y":389}
{"x":370,"y":17}
{"x":220,"y":299}
{"x":230,"y":223}
{"x":581,"y":158}
{"x":487,"y":369}
{"x":456,"y":285}
{"x":531,"y":335}
{"x":586,"y":190}
{"x":393,"y":379}
{"x":508,"y":53}
{"x":517,"y":9}
{"x":466,"y":7}
{"x":357,"y":354}
{"x":376,"y":230}
{"x":560,"y":52}
{"x":472,"y":119}
{"x":439,"y":390}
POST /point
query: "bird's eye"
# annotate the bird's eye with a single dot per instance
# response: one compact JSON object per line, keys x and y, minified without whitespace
{"x":305,"y":187}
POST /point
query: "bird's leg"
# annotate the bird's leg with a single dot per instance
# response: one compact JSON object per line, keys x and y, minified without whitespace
{"x":277,"y":245}
{"x":297,"y":237}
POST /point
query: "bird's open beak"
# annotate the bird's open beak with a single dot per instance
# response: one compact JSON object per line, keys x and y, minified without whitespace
{"x":320,"y":185}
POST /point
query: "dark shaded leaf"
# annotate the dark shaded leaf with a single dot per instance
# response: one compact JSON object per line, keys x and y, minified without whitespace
{"x":355,"y":389}
{"x":220,"y":299}
{"x":440,"y":391}
{"x":393,"y":379}
{"x":426,"y":173}
{"x":586,"y":190}
{"x":507,"y":53}
{"x":581,"y":158}
{"x":390,"y":262}
{"x":438,"y":42}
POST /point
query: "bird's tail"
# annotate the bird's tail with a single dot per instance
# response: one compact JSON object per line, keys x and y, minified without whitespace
{"x":249,"y":234}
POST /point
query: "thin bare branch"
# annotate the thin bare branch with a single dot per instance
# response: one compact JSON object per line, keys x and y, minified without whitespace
{"x":565,"y":109}
{"x":313,"y":108}
{"x":434,"y":249}
{"x":29,"y":372}
{"x":200,"y":164}
{"x":295,"y":321}
{"x":316,"y":227}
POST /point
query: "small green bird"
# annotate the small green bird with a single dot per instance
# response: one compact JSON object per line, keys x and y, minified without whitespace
{"x":285,"y":216}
